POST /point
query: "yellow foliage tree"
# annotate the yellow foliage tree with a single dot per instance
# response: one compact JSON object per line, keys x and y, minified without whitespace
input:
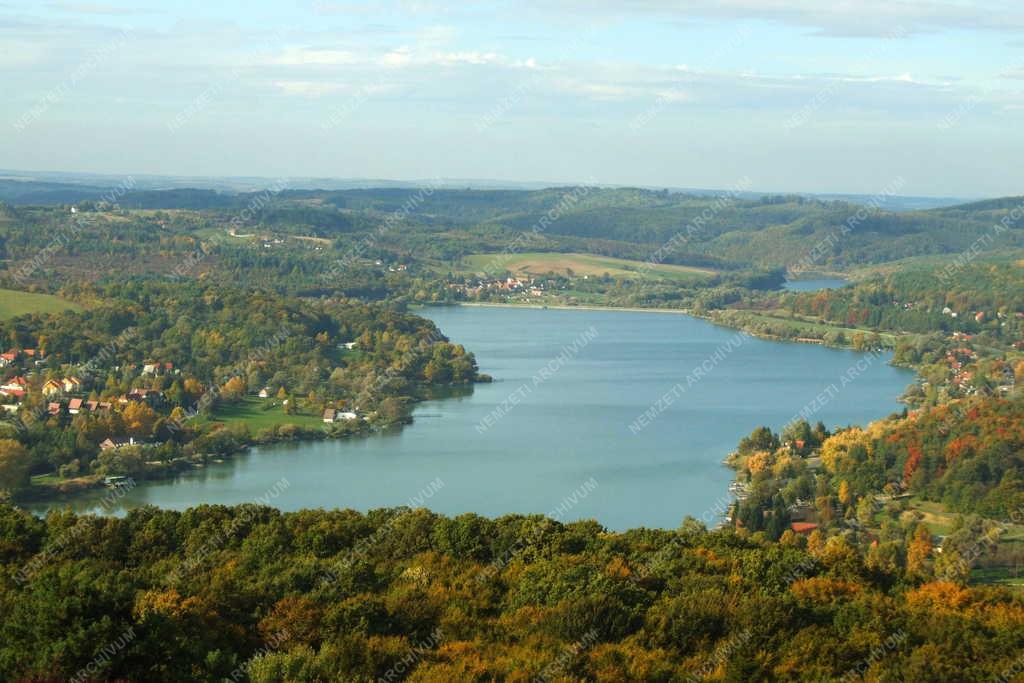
{"x":785,"y":463}
{"x":837,"y":446}
{"x":816,"y":542}
{"x":193,"y":388}
{"x":845,"y":495}
{"x":233,"y":389}
{"x":139,"y":419}
{"x":822,"y":590}
{"x":919,"y":550}
{"x":759,"y":462}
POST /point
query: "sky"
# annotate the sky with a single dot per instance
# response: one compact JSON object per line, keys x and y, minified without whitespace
{"x":775,"y":95}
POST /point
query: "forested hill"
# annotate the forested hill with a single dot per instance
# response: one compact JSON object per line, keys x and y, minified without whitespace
{"x":250,"y":593}
{"x":767,"y":232}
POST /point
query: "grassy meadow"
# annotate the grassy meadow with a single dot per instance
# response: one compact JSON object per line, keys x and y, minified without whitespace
{"x":250,"y":412}
{"x":14,"y":303}
{"x":542,"y":263}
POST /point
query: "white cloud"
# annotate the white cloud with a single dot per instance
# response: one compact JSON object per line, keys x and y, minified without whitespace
{"x":316,"y":89}
{"x":310,"y":89}
{"x":93,"y":8}
{"x":400,"y":57}
{"x":865,"y":18}
{"x":296,"y":56}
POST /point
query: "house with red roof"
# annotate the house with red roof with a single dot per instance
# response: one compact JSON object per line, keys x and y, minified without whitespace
{"x":18,"y":383}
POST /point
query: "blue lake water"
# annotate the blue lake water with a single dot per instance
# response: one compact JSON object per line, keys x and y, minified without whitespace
{"x":556,"y":423}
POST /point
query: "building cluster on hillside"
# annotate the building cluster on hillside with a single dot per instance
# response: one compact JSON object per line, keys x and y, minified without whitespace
{"x":508,"y":285}
{"x":78,"y":405}
{"x":67,"y":394}
{"x":67,"y":385}
{"x":23,"y":358}
{"x":151,"y":367}
{"x":965,"y":371}
{"x":979,"y":317}
{"x":116,"y":442}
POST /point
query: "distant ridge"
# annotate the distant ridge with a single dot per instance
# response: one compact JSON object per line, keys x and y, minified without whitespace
{"x":60,"y":187}
{"x":999,"y":204}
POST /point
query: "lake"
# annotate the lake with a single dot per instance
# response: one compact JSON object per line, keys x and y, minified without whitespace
{"x":624,"y":417}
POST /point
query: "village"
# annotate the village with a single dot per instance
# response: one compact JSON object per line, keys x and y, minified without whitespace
{"x":476,"y":287}
{"x":68,"y":395}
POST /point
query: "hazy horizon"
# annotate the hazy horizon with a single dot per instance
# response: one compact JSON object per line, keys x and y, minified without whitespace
{"x":794,"y":97}
{"x":334,"y":183}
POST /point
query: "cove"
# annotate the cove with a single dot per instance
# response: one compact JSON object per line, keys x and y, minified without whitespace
{"x":557,"y":431}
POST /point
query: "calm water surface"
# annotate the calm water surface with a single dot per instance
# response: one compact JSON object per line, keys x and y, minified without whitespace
{"x":562,"y":432}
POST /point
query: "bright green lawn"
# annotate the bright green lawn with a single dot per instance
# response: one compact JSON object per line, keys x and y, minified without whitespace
{"x":250,"y":411}
{"x":45,"y":479}
{"x":14,"y":303}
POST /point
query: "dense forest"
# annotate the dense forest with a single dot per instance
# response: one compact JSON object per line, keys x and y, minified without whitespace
{"x":966,"y":454}
{"x":247,"y":592}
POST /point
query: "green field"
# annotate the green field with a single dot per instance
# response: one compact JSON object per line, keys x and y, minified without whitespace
{"x":809,"y":324}
{"x":541,"y":263}
{"x":1007,"y":577}
{"x":250,"y":411}
{"x":934,"y":515}
{"x":14,"y":303}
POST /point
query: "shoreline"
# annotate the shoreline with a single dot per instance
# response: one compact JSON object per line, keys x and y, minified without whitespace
{"x":564,"y":307}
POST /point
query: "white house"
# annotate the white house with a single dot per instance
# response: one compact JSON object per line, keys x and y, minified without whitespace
{"x":332,"y":415}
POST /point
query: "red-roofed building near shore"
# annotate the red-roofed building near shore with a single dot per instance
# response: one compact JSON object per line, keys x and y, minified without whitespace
{"x":803,"y":527}
{"x":15,"y":384}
